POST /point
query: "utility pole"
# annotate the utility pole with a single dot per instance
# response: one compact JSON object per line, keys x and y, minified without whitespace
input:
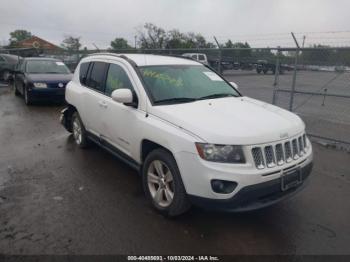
{"x":135,"y":37}
{"x":304,"y":37}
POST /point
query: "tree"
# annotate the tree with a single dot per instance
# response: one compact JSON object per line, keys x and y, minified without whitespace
{"x":71,"y":43}
{"x":119,"y":43}
{"x":152,"y":36}
{"x":17,"y":36}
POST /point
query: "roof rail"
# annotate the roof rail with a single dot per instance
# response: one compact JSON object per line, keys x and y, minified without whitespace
{"x":116,"y":55}
{"x":178,"y":56}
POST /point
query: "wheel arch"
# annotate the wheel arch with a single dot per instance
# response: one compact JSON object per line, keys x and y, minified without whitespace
{"x":147,"y":146}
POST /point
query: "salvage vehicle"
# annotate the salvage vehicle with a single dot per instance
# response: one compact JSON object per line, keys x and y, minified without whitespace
{"x":8,"y":64}
{"x":193,"y":137}
{"x":40,"y":79}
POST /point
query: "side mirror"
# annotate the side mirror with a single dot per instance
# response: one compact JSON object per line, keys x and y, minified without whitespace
{"x":234,"y":85}
{"x":123,"y":95}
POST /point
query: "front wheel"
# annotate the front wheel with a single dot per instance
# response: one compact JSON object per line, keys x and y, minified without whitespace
{"x":27,"y":98}
{"x":163,"y":185}
{"x":17,"y":93}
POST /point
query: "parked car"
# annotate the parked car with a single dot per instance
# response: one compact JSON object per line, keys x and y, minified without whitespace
{"x":41,"y":79}
{"x":192,"y":136}
{"x":8,"y":64}
{"x":202,"y":58}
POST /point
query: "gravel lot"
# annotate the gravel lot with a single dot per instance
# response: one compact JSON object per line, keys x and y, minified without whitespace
{"x":58,"y":199}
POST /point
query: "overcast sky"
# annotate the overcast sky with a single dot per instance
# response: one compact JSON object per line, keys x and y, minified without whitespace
{"x":261,"y":23}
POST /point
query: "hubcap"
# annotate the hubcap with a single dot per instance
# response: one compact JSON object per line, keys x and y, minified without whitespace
{"x":77,"y":131}
{"x":160,"y":183}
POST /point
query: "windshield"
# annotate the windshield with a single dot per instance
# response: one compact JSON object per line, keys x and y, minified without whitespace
{"x":184,"y":83}
{"x":46,"y":67}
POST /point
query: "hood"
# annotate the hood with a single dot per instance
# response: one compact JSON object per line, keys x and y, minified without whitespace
{"x":232,"y":120}
{"x":50,"y":78}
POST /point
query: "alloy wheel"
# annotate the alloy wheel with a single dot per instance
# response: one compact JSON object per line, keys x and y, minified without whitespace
{"x":160,"y":183}
{"x":77,"y":131}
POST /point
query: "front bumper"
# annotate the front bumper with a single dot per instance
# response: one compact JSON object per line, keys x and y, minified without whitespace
{"x":37,"y":94}
{"x":255,"y":187}
{"x":254,"y":196}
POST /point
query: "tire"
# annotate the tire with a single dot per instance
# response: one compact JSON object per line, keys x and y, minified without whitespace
{"x":164,"y":189}
{"x":17,"y":93}
{"x":27,"y":99}
{"x":78,"y":131}
{"x":258,"y":71}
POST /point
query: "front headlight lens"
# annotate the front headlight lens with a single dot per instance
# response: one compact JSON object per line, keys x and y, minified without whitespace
{"x":221,"y":153}
{"x":40,"y":85}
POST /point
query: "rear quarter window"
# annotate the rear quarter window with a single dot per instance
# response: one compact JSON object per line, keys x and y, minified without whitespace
{"x":84,"y":67}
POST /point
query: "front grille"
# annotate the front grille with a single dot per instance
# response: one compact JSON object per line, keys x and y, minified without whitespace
{"x":270,"y":156}
{"x":279,"y":154}
{"x":258,"y":157}
{"x":295,"y":149}
{"x":288,"y":151}
{"x":301,"y":146}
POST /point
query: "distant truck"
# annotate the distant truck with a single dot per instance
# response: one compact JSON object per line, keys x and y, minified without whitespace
{"x":264,"y":67}
{"x":200,"y":57}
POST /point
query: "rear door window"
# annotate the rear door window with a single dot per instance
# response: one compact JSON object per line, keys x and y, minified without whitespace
{"x":97,"y":76}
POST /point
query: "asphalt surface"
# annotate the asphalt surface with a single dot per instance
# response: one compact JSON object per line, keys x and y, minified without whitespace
{"x":58,"y":199}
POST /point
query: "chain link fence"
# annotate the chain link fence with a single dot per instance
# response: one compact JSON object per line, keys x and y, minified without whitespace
{"x":312,"y":82}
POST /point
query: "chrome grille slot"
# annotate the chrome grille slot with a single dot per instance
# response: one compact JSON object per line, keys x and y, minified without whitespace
{"x":270,"y":156}
{"x":279,"y":154}
{"x":305,"y":144}
{"x":301,"y":146}
{"x":258,"y":158}
{"x":295,"y":149}
{"x":288,"y":152}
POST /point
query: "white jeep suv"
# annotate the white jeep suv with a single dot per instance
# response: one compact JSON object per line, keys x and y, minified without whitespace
{"x":192,"y":136}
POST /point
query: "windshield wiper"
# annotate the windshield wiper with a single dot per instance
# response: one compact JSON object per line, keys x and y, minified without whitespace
{"x":216,"y":96}
{"x":175,"y":100}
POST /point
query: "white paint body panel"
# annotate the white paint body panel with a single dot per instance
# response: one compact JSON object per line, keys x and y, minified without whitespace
{"x":238,"y":121}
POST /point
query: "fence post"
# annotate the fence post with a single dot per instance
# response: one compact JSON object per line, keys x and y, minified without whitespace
{"x":294,"y":74}
{"x":220,"y":55}
{"x":277,"y":73}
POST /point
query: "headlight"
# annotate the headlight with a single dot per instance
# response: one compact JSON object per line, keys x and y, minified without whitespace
{"x":221,"y":153}
{"x":40,"y":85}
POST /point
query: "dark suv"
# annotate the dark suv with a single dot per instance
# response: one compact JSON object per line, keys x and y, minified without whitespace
{"x":7,"y":66}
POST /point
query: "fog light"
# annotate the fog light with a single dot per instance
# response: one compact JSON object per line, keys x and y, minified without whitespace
{"x":222,"y":186}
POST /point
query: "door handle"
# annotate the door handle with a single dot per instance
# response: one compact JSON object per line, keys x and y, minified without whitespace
{"x":103,"y":104}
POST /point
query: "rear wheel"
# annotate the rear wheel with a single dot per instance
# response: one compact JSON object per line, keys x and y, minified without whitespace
{"x":163,"y":184}
{"x":5,"y":75}
{"x":79,"y":132}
